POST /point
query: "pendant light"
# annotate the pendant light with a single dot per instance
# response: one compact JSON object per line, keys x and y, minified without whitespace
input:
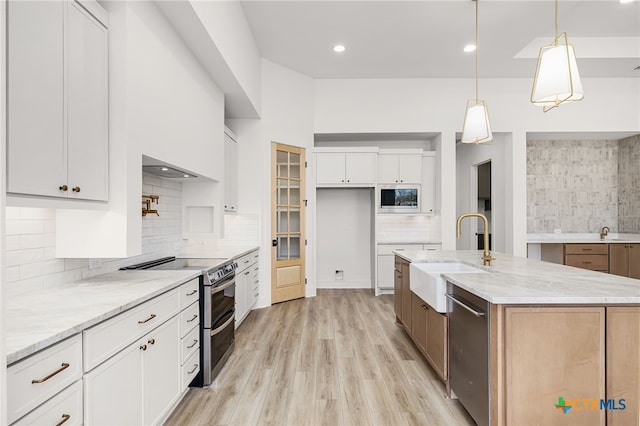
{"x":557,"y":79}
{"x":476,"y":128}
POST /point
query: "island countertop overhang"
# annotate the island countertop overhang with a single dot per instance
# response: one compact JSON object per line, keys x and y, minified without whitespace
{"x":516,"y":280}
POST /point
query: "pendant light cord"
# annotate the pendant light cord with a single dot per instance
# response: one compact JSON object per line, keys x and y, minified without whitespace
{"x":556,"y":18}
{"x":477,"y":1}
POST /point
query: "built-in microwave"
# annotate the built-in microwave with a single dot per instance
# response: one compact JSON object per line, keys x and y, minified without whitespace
{"x":399,"y":198}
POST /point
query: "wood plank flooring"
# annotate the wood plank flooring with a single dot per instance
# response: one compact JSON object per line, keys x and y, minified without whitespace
{"x":335,"y":359}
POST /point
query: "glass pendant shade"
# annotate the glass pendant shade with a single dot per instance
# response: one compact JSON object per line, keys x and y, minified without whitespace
{"x":557,"y":79}
{"x":476,"y":128}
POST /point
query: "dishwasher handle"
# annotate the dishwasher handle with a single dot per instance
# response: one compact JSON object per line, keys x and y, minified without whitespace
{"x":465,"y":306}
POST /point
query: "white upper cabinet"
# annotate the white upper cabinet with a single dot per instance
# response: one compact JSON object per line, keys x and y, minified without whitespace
{"x":57,"y":116}
{"x":345,"y":168}
{"x":429,"y":183}
{"x":399,"y":168}
{"x":230,"y":173}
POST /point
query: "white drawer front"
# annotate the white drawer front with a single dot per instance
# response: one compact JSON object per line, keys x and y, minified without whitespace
{"x":109,"y":337}
{"x":189,"y":292}
{"x":65,"y":406}
{"x":389,"y":248}
{"x":190,"y":344}
{"x":190,"y":369}
{"x":189,"y":318}
{"x":247,"y":260}
{"x":52,"y":370}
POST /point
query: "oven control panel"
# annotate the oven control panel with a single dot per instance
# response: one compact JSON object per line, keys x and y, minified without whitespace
{"x":222,"y":272}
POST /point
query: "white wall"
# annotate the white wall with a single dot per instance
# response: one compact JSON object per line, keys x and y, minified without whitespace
{"x":229,"y":29}
{"x":437,"y":105}
{"x":344,"y":240}
{"x":468,"y":156}
{"x":3,"y":188}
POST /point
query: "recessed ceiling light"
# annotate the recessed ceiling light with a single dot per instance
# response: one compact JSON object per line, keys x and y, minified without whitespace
{"x":469,"y":48}
{"x":626,"y":1}
{"x":185,"y":175}
{"x":338,"y":48}
{"x":164,"y":169}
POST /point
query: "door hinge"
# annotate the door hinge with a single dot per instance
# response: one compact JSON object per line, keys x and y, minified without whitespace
{"x":305,"y":164}
{"x":305,"y":281}
{"x":305,"y":202}
{"x":305,"y":242}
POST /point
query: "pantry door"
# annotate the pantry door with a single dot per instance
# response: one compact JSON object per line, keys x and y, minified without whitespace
{"x":287,"y":222}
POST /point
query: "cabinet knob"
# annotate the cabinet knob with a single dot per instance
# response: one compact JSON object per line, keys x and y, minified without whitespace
{"x":225,"y":207}
{"x":401,"y":180}
{"x":143,"y":347}
{"x":348,"y":180}
{"x":151,"y":341}
{"x":63,"y":187}
{"x":76,"y":189}
{"x":342,"y":180}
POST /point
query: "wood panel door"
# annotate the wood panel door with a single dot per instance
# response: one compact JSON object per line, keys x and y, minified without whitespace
{"x":287,"y":222}
{"x":623,"y":364}
{"x":619,"y":259}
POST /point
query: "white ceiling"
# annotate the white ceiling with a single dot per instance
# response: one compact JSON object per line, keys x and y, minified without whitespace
{"x":415,"y":39}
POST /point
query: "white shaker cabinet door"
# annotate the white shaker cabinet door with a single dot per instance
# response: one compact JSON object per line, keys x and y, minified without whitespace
{"x":410,"y":168}
{"x":162,"y":361}
{"x":113,"y":391}
{"x":36,"y":150}
{"x":87,"y":79}
{"x":330,"y":168}
{"x":360,"y":167}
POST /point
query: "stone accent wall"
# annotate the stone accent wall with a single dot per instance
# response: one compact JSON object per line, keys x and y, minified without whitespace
{"x":629,"y":185}
{"x":572,"y":185}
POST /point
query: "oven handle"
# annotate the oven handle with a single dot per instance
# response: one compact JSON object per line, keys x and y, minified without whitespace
{"x":226,"y":323}
{"x":227,"y":284}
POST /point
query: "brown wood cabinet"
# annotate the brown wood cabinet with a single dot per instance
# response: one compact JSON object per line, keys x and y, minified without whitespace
{"x":623,"y":363}
{"x":437,"y":351}
{"x":419,"y":322}
{"x":624,"y":259}
{"x":587,"y":256}
{"x":402,"y":292}
{"x":553,"y":352}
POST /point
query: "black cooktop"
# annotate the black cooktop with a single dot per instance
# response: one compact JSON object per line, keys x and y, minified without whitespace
{"x":172,"y":263}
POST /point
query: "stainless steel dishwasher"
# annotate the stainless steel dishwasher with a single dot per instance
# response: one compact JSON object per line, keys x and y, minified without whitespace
{"x":469,"y":351}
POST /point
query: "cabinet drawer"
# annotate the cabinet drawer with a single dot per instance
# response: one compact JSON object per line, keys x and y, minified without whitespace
{"x":389,"y":248}
{"x":109,"y":337}
{"x":52,"y":370}
{"x":189,"y":318}
{"x":595,"y":262}
{"x":190,"y":369}
{"x":190,"y":344}
{"x":246,"y":261}
{"x":189,"y":292}
{"x":586,"y":249}
{"x":65,"y":406}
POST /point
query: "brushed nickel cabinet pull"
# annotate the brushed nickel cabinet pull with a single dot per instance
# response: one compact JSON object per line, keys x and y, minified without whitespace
{"x":586,"y":249}
{"x":65,"y":417}
{"x":76,"y":189}
{"x":63,"y":187}
{"x":586,"y":263}
{"x":247,"y":273}
{"x":148,"y":319}
{"x":192,"y":319}
{"x":143,"y":347}
{"x":246,"y":261}
{"x":151,"y":341}
{"x":44,"y":379}
{"x":195,"y":367}
{"x":191,"y":293}
{"x":195,"y":342}
{"x":424,"y":307}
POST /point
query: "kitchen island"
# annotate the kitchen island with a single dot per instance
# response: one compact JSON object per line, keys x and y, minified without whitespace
{"x":562,"y":343}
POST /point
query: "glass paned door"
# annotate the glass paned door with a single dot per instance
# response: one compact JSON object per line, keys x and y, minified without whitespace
{"x":288,"y":177}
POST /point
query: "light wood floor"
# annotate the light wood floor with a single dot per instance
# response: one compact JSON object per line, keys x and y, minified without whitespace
{"x":336,"y":359}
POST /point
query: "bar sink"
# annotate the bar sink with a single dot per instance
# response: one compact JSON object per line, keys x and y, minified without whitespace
{"x":425,"y":280}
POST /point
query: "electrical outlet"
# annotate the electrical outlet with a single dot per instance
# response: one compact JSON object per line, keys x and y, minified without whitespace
{"x":95,"y":263}
{"x":557,"y":231}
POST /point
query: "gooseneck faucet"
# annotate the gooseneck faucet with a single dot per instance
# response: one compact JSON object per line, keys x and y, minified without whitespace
{"x":486,"y":257}
{"x":604,"y":232}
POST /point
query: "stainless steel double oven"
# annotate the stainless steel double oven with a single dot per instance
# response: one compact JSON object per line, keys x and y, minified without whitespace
{"x":217,"y":309}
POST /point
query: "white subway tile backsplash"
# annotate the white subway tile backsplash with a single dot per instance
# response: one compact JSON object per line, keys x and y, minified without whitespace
{"x":31,"y":241}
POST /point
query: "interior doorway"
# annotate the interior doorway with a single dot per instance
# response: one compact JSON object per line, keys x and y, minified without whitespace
{"x":483,"y":202}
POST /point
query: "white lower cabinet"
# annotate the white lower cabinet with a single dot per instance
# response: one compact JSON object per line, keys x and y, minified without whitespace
{"x":247,"y":285}
{"x":139,"y":384}
{"x":64,"y":408}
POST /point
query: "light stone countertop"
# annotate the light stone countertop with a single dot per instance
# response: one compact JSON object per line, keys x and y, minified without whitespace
{"x":38,"y":319}
{"x":611,"y":238}
{"x":516,"y":280}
